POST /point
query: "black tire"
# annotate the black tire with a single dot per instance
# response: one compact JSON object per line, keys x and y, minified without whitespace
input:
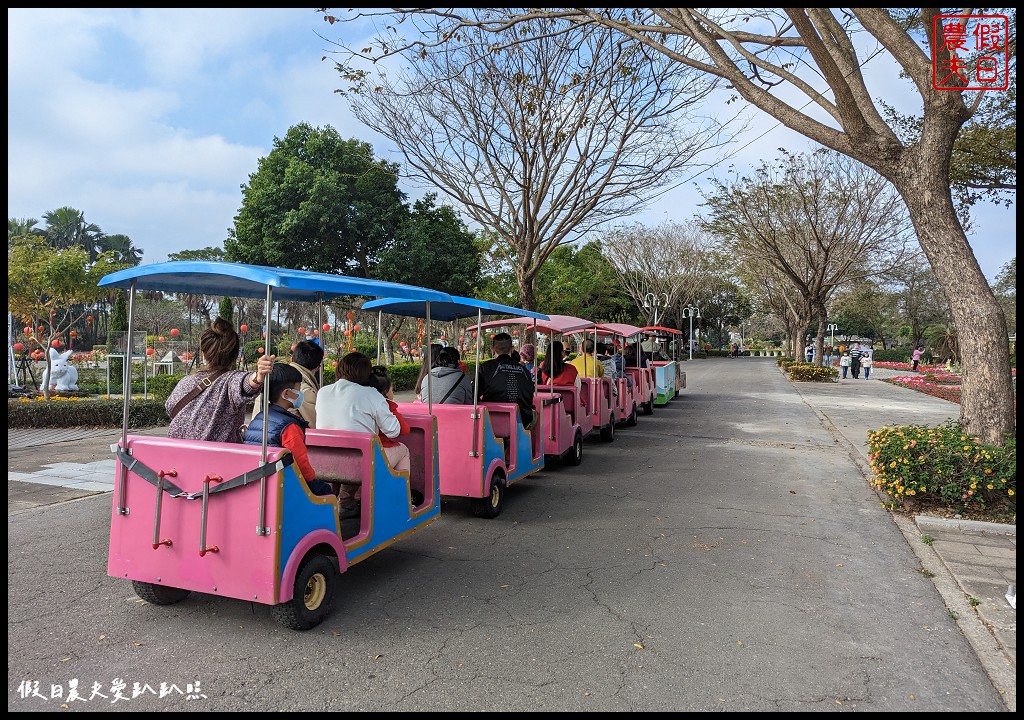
{"x":490,"y":506}
{"x":575,"y":454}
{"x":314,"y":592}
{"x":649,"y":406}
{"x":608,"y":431}
{"x":631,"y":420}
{"x":159,"y":594}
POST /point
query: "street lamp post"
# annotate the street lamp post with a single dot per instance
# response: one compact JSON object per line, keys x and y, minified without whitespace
{"x":691,"y":311}
{"x":651,"y":300}
{"x":832,"y":327}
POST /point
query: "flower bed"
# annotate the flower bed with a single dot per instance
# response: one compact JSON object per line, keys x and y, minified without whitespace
{"x":921,"y":383}
{"x":929,"y":468}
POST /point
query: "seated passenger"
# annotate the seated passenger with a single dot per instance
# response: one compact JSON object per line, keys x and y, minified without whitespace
{"x":557,"y":371}
{"x":604,"y":356}
{"x":502,"y":379}
{"x":527,"y":356}
{"x":449,"y":384}
{"x":284,"y":428}
{"x":585,"y":362}
{"x":425,"y":368}
{"x":352,"y":404}
{"x":210,"y":404}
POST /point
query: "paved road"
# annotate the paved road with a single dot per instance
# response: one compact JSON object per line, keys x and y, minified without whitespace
{"x":726,"y":554}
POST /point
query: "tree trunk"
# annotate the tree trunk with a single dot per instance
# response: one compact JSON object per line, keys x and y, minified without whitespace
{"x":986,"y":407}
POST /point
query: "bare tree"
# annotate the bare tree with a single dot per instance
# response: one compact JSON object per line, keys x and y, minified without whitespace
{"x":821,"y":221}
{"x":541,"y":143}
{"x":769,"y":54}
{"x":668,"y":262}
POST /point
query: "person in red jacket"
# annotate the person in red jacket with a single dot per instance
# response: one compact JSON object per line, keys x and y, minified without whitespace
{"x":380,"y":379}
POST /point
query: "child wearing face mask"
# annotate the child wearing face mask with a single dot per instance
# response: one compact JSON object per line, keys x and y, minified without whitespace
{"x":286,"y":429}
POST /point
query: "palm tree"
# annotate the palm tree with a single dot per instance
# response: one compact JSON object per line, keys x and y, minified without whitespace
{"x":66,"y":227}
{"x":17,"y":227}
{"x":122,"y":247}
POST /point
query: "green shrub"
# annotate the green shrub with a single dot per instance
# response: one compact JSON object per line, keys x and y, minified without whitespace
{"x":808,"y":372}
{"x":160,"y":386}
{"x":944,"y":467}
{"x":84,"y":412}
{"x":785,"y":361}
{"x":891,"y":355}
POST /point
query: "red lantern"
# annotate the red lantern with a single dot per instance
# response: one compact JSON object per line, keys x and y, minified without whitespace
{"x":350,"y":315}
{"x":89,"y":319}
{"x":302,"y":331}
{"x":52,"y":313}
{"x":515,"y":332}
{"x":316,"y":333}
{"x":355,"y":328}
{"x":150,"y":351}
{"x":348,"y":333}
{"x":19,"y":347}
{"x":55,"y":343}
{"x":243,"y":327}
{"x":259,"y":350}
{"x":395,"y":337}
{"x":73,"y":334}
{"x":160,"y":339}
{"x":40,"y":329}
{"x":327,"y":327}
{"x":462,"y":338}
{"x":263,"y":334}
{"x":174,"y":332}
{"x":444,"y":339}
{"x":28,"y":331}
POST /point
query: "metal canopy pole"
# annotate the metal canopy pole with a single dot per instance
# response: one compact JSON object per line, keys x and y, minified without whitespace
{"x":261,"y":528}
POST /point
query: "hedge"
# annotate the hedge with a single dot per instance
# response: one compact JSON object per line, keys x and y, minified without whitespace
{"x":808,"y":372}
{"x":64,"y":412}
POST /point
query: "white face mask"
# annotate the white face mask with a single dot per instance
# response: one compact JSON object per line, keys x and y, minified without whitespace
{"x":297,"y":400}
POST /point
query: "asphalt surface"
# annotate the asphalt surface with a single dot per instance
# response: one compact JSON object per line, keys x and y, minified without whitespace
{"x":728,"y":553}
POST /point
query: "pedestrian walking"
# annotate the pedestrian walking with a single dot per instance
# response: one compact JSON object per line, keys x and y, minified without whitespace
{"x":844,"y":364}
{"x":865,"y":364}
{"x":856,"y":352}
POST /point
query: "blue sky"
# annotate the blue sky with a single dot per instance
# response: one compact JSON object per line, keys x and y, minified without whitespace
{"x":149,"y":121}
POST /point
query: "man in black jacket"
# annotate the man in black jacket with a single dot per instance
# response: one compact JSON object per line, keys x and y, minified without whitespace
{"x":503,"y":379}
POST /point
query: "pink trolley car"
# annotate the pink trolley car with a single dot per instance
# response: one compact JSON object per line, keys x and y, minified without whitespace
{"x":570,"y":413}
{"x":485,"y":446}
{"x":239,"y":521}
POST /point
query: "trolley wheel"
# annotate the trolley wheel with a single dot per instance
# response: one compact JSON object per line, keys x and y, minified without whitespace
{"x":608,"y":431}
{"x":491,"y":506}
{"x":649,"y":406}
{"x":159,"y":594}
{"x":631,"y":420}
{"x":575,"y":456}
{"x":314,"y":592}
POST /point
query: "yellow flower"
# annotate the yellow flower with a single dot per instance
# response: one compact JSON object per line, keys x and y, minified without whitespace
{"x":988,"y":471}
{"x":1010,"y":491}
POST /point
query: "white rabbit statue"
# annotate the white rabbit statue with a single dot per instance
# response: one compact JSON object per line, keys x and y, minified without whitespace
{"x":61,"y":373}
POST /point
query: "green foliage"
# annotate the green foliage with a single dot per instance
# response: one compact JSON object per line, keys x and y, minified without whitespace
{"x":84,"y":412}
{"x":784,"y":361}
{"x":893,"y":355}
{"x":206,"y":253}
{"x":432,"y":248}
{"x":808,"y":372}
{"x":319,"y":203}
{"x":943,"y":467}
{"x":582,"y":282}
{"x":227,"y":309}
{"x":161,"y":386}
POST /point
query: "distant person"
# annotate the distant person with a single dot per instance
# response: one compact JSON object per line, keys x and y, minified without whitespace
{"x":916,"y":357}
{"x":503,"y":379}
{"x":604,"y":356}
{"x":844,"y":364}
{"x":449,"y":384}
{"x":856,"y":352}
{"x":284,"y":428}
{"x":210,"y":404}
{"x":809,"y":352}
{"x":865,"y":363}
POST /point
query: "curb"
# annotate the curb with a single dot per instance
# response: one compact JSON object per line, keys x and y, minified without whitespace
{"x":925,"y":522}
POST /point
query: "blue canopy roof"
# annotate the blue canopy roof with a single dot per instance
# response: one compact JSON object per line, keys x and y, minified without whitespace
{"x":238,"y":280}
{"x":452,"y":309}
